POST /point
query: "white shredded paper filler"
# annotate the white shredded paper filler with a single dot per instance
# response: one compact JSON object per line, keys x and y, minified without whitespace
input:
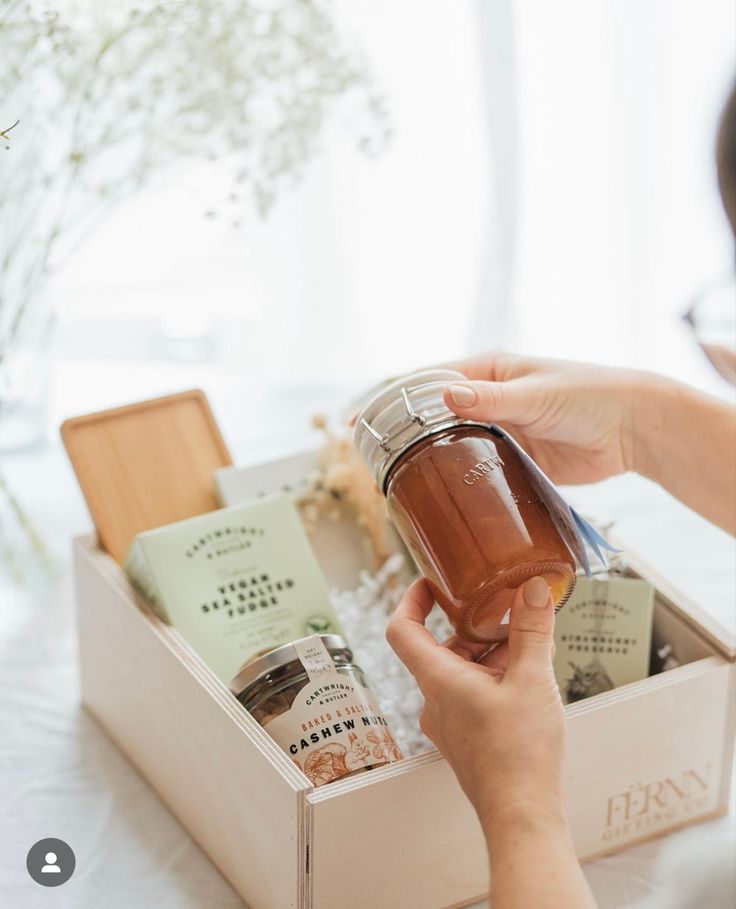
{"x":364,"y":614}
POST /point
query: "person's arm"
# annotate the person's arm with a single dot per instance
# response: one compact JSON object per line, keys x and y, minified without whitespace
{"x":685,"y":440}
{"x":583,"y":423}
{"x":498,"y":720}
{"x":533,"y":862}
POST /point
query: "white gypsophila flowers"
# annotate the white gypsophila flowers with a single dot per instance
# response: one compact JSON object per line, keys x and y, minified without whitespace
{"x":106,"y":94}
{"x":96,"y":97}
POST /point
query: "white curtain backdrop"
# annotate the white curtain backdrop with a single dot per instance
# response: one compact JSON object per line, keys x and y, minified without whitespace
{"x":620,"y":218}
{"x":549,"y":187}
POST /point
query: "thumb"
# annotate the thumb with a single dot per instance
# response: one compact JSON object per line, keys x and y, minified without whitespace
{"x":531,"y":627}
{"x":515,"y":401}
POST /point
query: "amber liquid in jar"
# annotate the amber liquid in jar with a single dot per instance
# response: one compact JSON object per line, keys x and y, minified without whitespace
{"x":463,"y":502}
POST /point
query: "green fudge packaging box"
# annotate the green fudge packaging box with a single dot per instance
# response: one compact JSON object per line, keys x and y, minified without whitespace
{"x":234,"y":582}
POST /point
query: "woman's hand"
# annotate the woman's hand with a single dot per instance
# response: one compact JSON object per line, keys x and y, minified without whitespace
{"x":575,"y":420}
{"x":497,"y":718}
{"x":583,"y":423}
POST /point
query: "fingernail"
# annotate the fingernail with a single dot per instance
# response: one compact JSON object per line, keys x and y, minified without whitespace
{"x":463,"y":395}
{"x":536,"y":593}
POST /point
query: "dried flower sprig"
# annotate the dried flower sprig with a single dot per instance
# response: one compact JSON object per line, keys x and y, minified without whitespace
{"x":40,"y":556}
{"x":342,"y":477}
{"x":4,"y":133}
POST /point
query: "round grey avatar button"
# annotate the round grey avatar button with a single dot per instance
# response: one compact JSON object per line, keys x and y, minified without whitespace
{"x":50,"y":862}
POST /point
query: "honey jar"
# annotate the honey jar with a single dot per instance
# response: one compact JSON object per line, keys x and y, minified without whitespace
{"x":463,"y":501}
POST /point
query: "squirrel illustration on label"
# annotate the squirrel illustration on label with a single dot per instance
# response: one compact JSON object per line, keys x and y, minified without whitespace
{"x":587,"y":680}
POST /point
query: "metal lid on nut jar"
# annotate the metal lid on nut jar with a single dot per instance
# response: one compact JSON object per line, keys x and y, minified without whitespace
{"x":400,"y":413}
{"x":260,"y":666}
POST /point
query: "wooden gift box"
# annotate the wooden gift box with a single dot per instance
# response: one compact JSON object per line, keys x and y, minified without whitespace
{"x":644,"y":759}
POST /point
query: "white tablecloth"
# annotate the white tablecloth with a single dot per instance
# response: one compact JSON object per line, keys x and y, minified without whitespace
{"x":61,"y":777}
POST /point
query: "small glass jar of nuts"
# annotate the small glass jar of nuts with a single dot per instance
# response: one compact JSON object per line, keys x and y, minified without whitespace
{"x":314,"y":702}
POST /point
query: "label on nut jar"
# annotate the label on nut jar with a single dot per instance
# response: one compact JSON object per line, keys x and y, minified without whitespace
{"x":314,"y":656}
{"x":334,"y":726}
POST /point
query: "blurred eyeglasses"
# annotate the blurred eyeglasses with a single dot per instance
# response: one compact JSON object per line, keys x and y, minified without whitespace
{"x":712,"y":320}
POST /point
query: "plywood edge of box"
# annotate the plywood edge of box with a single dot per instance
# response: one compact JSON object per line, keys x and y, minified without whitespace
{"x":375,"y":777}
{"x":656,"y":682}
{"x":177,"y":728}
{"x":622,"y":693}
{"x":729,"y":743}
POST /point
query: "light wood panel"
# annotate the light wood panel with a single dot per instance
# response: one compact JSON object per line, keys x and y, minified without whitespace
{"x":235,"y":792}
{"x":408,"y":839}
{"x":650,"y":757}
{"x":645,"y":760}
{"x":146,"y":464}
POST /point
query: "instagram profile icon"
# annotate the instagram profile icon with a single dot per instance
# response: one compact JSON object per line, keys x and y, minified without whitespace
{"x":50,"y":862}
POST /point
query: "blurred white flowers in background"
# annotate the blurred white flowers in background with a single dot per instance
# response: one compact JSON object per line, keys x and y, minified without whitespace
{"x":107,"y":95}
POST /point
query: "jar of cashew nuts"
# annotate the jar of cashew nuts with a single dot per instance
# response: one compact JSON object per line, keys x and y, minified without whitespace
{"x":313,"y":701}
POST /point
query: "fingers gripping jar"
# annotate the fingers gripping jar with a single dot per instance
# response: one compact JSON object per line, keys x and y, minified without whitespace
{"x":463,"y":502}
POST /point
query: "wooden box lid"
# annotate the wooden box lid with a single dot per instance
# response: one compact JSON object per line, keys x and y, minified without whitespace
{"x":146,"y":464}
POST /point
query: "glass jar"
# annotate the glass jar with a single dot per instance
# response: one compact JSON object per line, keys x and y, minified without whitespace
{"x":463,"y":501}
{"x":314,"y":702}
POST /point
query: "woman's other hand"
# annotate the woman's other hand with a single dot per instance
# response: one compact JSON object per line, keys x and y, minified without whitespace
{"x":497,"y":718}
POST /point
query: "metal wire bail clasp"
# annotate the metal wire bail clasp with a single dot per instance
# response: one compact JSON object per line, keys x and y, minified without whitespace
{"x":413,"y":415}
{"x":384,"y":441}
